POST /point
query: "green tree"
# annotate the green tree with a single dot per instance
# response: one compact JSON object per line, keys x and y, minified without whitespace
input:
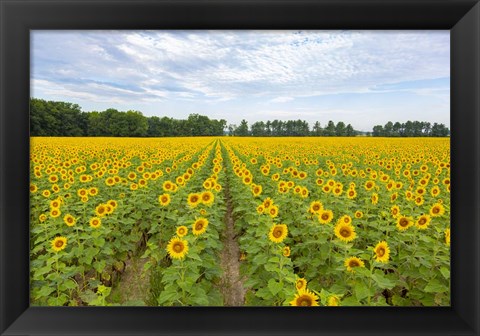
{"x":242,"y":130}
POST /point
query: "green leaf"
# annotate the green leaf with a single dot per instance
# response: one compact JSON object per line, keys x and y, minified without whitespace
{"x":382,"y":281}
{"x":361,"y":291}
{"x":99,"y":266}
{"x":168,"y":296}
{"x":435,"y":286}
{"x":44,"y":291}
{"x":274,"y":286}
{"x":445,"y":272}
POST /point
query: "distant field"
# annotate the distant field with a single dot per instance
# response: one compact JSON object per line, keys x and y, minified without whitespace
{"x":240,"y":221}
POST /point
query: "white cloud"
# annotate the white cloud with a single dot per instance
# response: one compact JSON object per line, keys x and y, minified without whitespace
{"x":248,"y":69}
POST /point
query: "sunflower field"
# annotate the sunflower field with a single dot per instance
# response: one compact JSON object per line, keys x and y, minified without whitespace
{"x":272,"y":221}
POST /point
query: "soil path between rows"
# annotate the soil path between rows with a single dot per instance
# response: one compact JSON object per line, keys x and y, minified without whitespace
{"x":232,"y":283}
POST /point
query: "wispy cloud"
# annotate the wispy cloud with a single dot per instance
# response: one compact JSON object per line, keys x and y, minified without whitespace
{"x":238,"y":72}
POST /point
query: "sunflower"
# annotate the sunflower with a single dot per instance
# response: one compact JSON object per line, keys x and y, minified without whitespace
{"x":435,"y":191}
{"x":403,"y":223}
{"x":95,"y":222}
{"x":110,"y":181}
{"x":352,"y":262}
{"x":101,"y":210}
{"x":247,"y":180}
{"x":182,"y":231}
{"x":419,"y":200}
{"x":164,"y":199}
{"x":59,"y":243}
{"x":333,"y":301}
{"x":55,"y":204}
{"x":447,"y":237}
{"x":395,"y":211}
{"x":278,"y":232}
{"x":437,"y":210}
{"x":207,"y":184}
{"x":351,"y":193}
{"x":267,"y":202}
{"x":260,"y":209}
{"x":177,"y":248}
{"x":193,"y":200}
{"x":42,"y":218}
{"x":273,"y":211}
{"x":423,"y":221}
{"x":358,"y":214}
{"x":382,"y":252}
{"x":207,"y":198}
{"x":200,"y":226}
{"x":55,"y":212}
{"x":33,"y":188}
{"x":93,"y":191}
{"x":256,"y":190}
{"x":167,"y":186}
{"x":286,"y":251}
{"x":301,"y":284}
{"x":304,"y":298}
{"x":369,"y":185}
{"x":325,"y":216}
{"x":345,"y":232}
{"x":316,"y":207}
{"x":46,"y":193}
{"x":346,"y":219}
{"x":69,"y":220}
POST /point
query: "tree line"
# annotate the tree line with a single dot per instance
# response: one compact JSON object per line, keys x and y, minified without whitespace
{"x":291,"y":128}
{"x":411,"y":129}
{"x":53,"y":118}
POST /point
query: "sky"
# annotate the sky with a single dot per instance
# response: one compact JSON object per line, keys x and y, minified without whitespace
{"x":363,"y":78}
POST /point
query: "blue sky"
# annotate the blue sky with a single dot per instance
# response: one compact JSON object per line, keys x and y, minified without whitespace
{"x":363,"y":78}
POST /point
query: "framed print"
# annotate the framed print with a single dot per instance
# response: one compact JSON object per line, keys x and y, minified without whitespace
{"x":220,"y":162}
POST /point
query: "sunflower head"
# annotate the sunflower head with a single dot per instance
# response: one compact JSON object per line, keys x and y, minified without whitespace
{"x":325,"y":216}
{"x":286,"y":251}
{"x":207,"y":198}
{"x":304,"y":298}
{"x":182,"y":231}
{"x":437,"y":210}
{"x":193,"y":199}
{"x":447,"y":237}
{"x":333,"y":300}
{"x":164,"y":199}
{"x":55,"y":212}
{"x":69,"y":220}
{"x":382,"y":252}
{"x":353,"y":262}
{"x":177,"y":248}
{"x":59,"y":243}
{"x":260,"y":209}
{"x":395,"y":211}
{"x":101,"y":210}
{"x":200,"y":226}
{"x":358,"y":214}
{"x":273,"y":211}
{"x":278,"y":232}
{"x":267,"y":202}
{"x":345,"y":232}
{"x":403,"y":223}
{"x":423,"y":221}
{"x":300,"y":284}
{"x":316,"y":207}
{"x":95,"y":222}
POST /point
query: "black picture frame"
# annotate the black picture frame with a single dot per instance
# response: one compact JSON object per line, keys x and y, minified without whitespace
{"x":18,"y":17}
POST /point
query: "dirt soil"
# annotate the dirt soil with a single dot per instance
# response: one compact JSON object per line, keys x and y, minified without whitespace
{"x":231,"y":283}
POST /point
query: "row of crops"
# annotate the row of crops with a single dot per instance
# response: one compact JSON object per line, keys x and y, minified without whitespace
{"x":318,"y":221}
